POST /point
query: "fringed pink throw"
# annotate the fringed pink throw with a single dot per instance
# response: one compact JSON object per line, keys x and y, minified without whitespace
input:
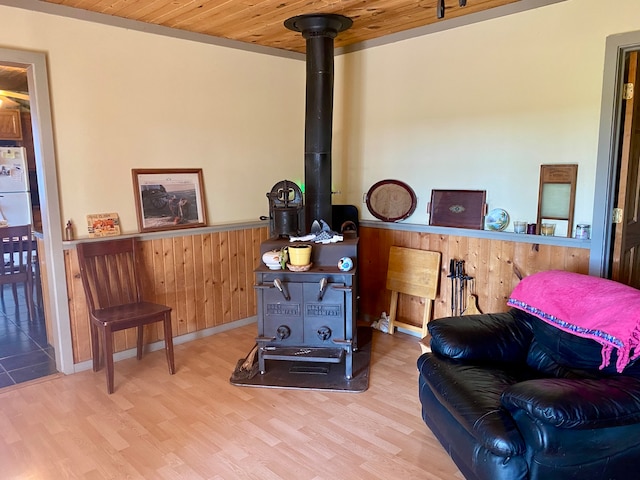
{"x":590,"y":307}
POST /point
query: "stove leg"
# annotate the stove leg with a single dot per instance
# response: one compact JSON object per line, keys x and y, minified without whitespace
{"x":261,"y":365}
{"x":348,"y":364}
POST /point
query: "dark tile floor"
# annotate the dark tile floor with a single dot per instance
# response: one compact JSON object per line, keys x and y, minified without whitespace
{"x":24,"y":352}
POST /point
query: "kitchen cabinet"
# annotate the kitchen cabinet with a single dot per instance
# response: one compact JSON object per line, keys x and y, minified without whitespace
{"x":10,"y":125}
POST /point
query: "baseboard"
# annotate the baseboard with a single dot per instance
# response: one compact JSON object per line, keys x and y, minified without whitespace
{"x":159,"y":345}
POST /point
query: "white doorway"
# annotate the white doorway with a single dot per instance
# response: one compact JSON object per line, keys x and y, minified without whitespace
{"x":44,"y":152}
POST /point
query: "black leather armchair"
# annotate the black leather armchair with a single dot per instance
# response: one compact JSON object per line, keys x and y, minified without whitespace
{"x":511,"y":397}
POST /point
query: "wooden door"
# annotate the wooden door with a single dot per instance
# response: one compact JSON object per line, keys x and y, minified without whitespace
{"x":626,"y":241}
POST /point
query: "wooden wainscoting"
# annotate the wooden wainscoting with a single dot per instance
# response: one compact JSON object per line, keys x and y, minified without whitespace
{"x":494,"y":264}
{"x":206,"y":278}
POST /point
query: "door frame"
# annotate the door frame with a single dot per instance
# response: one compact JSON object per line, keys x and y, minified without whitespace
{"x":611,"y":124}
{"x":42,"y":126}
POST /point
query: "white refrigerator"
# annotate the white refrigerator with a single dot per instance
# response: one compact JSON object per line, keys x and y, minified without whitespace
{"x":15,"y":201}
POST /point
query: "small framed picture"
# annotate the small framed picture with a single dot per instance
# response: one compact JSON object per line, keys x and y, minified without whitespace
{"x":169,"y":199}
{"x":103,"y":224}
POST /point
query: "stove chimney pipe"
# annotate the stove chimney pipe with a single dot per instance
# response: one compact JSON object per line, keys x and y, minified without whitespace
{"x":319,"y":30}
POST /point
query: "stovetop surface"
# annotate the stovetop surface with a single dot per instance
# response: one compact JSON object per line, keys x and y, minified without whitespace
{"x":324,"y":257}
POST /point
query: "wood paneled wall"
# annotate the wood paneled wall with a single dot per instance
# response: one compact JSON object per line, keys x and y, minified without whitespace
{"x":206,"y":278}
{"x":494,"y":264}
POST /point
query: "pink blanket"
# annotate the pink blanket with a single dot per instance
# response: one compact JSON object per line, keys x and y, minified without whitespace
{"x":590,"y":307}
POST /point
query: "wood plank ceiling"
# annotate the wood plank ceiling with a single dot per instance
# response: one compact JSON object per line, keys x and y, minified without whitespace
{"x":13,"y":78}
{"x":260,"y":22}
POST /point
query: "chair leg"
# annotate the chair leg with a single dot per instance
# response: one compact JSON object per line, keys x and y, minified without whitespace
{"x":14,"y":288}
{"x":140,"y":331}
{"x":37,"y":283}
{"x":4,"y":307}
{"x":108,"y":357}
{"x":168,"y":343}
{"x":29,"y":294}
{"x":95,"y":346}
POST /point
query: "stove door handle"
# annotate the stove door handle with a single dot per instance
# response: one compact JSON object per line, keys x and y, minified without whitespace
{"x":323,"y":288}
{"x":343,"y":288}
{"x":278,"y":284}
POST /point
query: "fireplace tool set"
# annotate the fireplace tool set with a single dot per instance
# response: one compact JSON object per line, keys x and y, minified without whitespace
{"x":462,"y":299}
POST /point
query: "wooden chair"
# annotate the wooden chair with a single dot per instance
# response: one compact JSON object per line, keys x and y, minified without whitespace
{"x":412,"y":272}
{"x":17,"y":263}
{"x":114,"y":297}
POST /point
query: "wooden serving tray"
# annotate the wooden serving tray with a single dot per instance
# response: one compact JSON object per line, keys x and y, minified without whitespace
{"x":458,"y":208}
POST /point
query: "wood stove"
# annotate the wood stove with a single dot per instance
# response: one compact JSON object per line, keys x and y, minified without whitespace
{"x":308,"y":316}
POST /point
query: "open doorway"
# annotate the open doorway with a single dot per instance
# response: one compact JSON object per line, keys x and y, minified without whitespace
{"x":26,"y":352}
{"x":610,"y":175}
{"x":624,"y":265}
{"x":50,"y":246}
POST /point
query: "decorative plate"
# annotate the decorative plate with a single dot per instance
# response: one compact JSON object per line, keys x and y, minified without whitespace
{"x":497,"y":220}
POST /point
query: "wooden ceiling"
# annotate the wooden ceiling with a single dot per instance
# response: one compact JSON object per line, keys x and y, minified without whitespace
{"x":260,"y":22}
{"x":13,"y":78}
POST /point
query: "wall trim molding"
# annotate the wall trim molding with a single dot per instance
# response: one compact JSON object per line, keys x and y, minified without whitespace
{"x":467,"y":232}
{"x":181,"y":232}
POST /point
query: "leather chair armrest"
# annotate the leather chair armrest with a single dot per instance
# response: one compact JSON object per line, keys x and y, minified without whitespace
{"x":498,"y":337}
{"x":577,"y":403}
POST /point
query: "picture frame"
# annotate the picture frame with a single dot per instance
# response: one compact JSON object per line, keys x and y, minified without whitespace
{"x":169,"y":198}
{"x":103,"y":225}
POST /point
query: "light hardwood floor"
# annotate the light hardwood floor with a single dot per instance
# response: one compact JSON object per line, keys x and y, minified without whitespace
{"x":196,"y":425}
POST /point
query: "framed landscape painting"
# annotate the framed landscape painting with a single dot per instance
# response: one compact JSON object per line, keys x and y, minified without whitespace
{"x":169,"y":199}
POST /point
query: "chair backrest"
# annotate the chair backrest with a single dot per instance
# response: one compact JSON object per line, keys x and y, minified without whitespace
{"x":17,"y":246}
{"x":108,"y":271}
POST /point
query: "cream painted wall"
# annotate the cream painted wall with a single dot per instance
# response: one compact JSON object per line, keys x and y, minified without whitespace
{"x":479,"y":107}
{"x":124,"y":99}
{"x":475,"y":107}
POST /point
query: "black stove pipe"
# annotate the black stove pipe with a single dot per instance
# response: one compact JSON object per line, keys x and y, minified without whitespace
{"x":319,"y":30}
